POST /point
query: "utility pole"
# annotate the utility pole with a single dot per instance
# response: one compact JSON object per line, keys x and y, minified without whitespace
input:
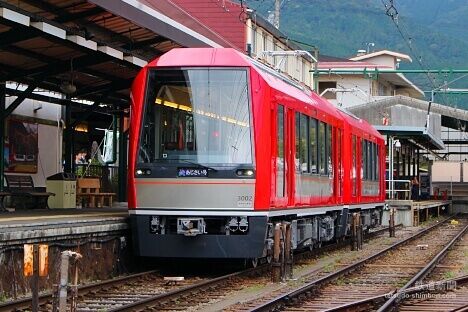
{"x":276,"y":19}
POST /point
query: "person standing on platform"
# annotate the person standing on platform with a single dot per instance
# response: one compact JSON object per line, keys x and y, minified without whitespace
{"x":414,"y":189}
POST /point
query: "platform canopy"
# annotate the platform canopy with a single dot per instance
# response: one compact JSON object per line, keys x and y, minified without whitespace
{"x":407,"y":118}
{"x":84,"y":54}
{"x":97,"y":46}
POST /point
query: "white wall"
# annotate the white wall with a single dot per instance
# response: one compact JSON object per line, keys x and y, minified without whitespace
{"x":386,"y":60}
{"x":49,"y":137}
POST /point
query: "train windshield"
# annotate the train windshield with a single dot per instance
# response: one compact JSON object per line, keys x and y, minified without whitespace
{"x":198,"y":115}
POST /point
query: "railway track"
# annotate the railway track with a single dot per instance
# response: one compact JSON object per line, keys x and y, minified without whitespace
{"x":139,"y":291}
{"x":376,"y":275}
{"x":101,"y":296}
{"x":193,"y":297}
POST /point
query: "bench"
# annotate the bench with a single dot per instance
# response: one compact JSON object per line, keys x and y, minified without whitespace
{"x":22,"y":186}
{"x":2,"y":199}
{"x":89,"y":193}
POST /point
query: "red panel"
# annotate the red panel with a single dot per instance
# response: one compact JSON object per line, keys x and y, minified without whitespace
{"x":137,"y":98}
{"x":223,"y":17}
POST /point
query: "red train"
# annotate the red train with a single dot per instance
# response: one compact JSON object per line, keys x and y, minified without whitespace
{"x":222,"y":147}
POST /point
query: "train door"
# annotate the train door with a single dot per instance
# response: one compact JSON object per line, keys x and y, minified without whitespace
{"x":354,"y":167}
{"x":339,"y":166}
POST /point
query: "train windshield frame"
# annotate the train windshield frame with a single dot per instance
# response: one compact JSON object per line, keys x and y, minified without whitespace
{"x":200,"y":115}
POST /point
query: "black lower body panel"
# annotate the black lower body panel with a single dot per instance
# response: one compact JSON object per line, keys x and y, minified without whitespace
{"x":249,"y":245}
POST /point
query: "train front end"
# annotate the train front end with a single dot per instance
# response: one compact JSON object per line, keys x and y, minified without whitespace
{"x":191,"y":160}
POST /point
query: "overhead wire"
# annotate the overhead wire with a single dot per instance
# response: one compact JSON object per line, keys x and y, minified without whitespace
{"x":393,"y":13}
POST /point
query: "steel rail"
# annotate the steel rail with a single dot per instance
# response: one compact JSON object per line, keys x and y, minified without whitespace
{"x":395,"y":300}
{"x":369,"y":303}
{"x":296,"y":294}
{"x":25,"y":303}
{"x":146,"y":303}
{"x":143,"y":305}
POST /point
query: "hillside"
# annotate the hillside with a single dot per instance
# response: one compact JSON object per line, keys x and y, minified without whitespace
{"x":340,"y":28}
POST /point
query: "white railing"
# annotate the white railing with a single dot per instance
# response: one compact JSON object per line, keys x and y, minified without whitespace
{"x":396,"y":187}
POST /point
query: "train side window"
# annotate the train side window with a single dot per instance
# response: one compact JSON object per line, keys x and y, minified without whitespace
{"x":321,"y":142}
{"x":304,"y":145}
{"x":354,"y":165}
{"x":364,"y":159}
{"x":313,"y":146}
{"x":373,"y":161}
{"x":369,"y":160}
{"x":376,"y":162}
{"x":280,"y":165}
{"x":298,"y":145}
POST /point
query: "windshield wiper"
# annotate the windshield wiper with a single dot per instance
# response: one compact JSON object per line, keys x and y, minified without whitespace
{"x":199,"y":165}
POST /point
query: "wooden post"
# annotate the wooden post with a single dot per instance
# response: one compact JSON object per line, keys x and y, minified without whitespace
{"x":356,"y":232}
{"x":288,"y":252}
{"x":74,"y":287}
{"x":35,"y":279}
{"x":391,"y":226}
{"x":353,"y":232}
{"x":276,"y":265}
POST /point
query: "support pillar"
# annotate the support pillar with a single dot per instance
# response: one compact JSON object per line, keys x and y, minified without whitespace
{"x":417,"y":162}
{"x":122,"y":174}
{"x":67,"y":139}
{"x":2,"y":130}
{"x":397,"y":164}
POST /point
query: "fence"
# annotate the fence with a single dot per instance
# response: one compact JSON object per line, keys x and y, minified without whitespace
{"x":109,"y":175}
{"x":398,"y":189}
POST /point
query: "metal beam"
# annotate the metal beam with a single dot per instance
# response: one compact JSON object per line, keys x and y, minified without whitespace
{"x":60,"y":101}
{"x":89,"y":110}
{"x":117,"y":85}
{"x":51,"y":60}
{"x":122,"y":173}
{"x":61,"y":67}
{"x":454,"y":142}
{"x":19,"y":100}
{"x":13,"y":36}
{"x":144,"y":43}
{"x":77,"y":16}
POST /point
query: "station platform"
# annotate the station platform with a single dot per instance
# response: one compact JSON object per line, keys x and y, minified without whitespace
{"x":100,"y":235}
{"x":48,"y":225}
{"x":411,"y":213}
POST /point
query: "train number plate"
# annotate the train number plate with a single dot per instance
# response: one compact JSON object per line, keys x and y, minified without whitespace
{"x":191,"y":172}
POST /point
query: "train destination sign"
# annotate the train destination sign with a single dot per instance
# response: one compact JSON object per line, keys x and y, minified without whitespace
{"x":192,"y":172}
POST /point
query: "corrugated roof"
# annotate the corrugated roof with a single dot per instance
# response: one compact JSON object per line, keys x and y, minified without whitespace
{"x":222,"y":17}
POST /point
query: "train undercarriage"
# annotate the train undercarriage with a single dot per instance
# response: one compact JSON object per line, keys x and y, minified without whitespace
{"x":240,"y":237}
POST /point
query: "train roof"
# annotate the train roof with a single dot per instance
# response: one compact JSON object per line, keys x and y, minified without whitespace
{"x":358,"y":123}
{"x":228,"y":57}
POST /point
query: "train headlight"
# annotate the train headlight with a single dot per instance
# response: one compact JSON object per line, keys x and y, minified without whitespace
{"x":140,"y":172}
{"x":245,"y":172}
